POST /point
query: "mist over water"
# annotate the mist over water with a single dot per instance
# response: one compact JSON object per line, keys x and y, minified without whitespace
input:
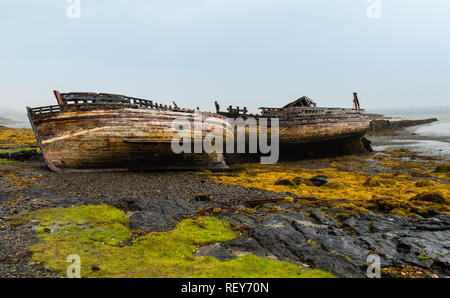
{"x":430,"y":139}
{"x":440,"y":129}
{"x":18,"y":125}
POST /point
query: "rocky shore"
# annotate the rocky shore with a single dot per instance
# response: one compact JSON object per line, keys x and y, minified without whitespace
{"x":322,"y":214}
{"x":382,"y":126}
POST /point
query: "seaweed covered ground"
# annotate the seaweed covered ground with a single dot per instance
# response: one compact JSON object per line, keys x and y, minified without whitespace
{"x":392,"y":182}
{"x":12,"y":137}
{"x":313,"y":218}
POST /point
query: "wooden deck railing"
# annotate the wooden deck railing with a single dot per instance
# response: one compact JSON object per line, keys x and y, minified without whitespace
{"x":86,"y":98}
{"x":45,"y":110}
{"x":295,"y":111}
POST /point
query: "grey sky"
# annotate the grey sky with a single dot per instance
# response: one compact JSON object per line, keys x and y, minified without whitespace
{"x":240,"y":52}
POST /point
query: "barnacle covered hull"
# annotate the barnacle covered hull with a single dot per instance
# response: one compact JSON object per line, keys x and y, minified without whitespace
{"x":114,"y":136}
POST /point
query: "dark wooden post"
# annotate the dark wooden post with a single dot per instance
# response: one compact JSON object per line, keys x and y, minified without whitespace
{"x":217,"y":107}
{"x":58,"y":97}
{"x":355,"y":100}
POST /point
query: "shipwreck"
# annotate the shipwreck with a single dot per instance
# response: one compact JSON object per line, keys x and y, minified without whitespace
{"x":99,"y":131}
{"x":306,"y":130}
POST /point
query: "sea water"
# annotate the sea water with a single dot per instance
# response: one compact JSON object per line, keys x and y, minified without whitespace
{"x":429,"y":139}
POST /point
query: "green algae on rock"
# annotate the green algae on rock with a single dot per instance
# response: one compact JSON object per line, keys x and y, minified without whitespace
{"x":4,"y":161}
{"x":98,"y":233}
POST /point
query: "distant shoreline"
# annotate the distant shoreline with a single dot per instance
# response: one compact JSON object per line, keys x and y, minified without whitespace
{"x":14,"y":124}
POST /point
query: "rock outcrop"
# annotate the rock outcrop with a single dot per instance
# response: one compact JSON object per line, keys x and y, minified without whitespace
{"x":341,"y":248}
{"x":379,"y":126}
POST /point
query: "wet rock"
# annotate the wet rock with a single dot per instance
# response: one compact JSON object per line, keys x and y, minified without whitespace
{"x":302,"y":181}
{"x":285,"y":182}
{"x":321,"y":218}
{"x":434,"y":197}
{"x":296,"y":239}
{"x":158,"y":215}
{"x":319,"y":180}
{"x":400,"y":240}
{"x":130,"y":204}
{"x":438,"y":223}
{"x":234,"y":248}
{"x":239,"y":219}
{"x":21,"y":155}
{"x":367,"y":144}
{"x":150,"y":221}
{"x":343,"y":249}
{"x":354,"y":226}
{"x":377,"y":126}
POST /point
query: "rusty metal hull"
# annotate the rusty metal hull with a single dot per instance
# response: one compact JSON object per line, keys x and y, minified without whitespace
{"x":114,"y":137}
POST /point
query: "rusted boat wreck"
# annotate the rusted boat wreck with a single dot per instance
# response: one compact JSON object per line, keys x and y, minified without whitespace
{"x":306,"y":130}
{"x":97,"y":131}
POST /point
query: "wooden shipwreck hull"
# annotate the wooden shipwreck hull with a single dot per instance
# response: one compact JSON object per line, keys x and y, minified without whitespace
{"x":96,"y":132}
{"x":306,"y":130}
{"x":309,"y":125}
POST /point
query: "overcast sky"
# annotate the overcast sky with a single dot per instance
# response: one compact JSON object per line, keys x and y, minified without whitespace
{"x":239,"y":52}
